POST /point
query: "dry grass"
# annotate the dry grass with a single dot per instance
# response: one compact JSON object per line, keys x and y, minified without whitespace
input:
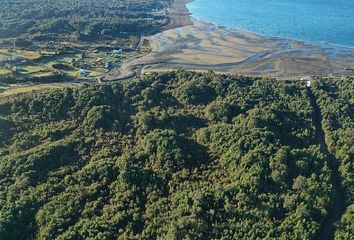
{"x":34,"y":88}
{"x":29,"y":55}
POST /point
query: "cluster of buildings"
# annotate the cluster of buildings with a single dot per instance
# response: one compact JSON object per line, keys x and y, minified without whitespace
{"x":14,"y":62}
{"x":99,"y":62}
{"x":83,"y":73}
{"x":102,"y":63}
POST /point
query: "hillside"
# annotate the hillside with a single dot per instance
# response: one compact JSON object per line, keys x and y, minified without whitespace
{"x":38,"y":21}
{"x":178,"y":155}
{"x":51,"y":41}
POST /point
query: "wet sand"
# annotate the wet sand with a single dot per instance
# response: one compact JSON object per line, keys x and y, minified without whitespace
{"x":202,"y":46}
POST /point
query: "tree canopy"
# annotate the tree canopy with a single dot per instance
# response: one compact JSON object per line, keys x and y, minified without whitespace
{"x":176,"y":155}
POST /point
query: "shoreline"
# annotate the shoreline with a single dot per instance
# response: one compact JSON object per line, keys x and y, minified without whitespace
{"x":304,"y":41}
{"x":179,"y":15}
{"x":202,"y":46}
{"x":313,"y":43}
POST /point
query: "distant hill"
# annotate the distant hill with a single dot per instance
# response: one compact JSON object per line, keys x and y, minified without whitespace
{"x":45,"y":21}
{"x":96,"y":35}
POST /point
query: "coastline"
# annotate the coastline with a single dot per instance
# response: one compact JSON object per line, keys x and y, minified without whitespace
{"x":179,"y":15}
{"x":234,"y":26}
{"x":190,"y":20}
{"x":320,"y":44}
{"x":202,"y":46}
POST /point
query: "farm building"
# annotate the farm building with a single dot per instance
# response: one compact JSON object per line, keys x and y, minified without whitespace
{"x":83,"y":73}
{"x":17,"y":69}
{"x":117,"y":51}
{"x":14,"y":58}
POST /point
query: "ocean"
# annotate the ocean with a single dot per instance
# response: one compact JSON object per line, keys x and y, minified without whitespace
{"x":313,"y":21}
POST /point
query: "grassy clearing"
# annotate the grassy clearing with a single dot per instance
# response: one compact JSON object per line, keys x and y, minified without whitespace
{"x":40,"y":67}
{"x":4,"y":71}
{"x":37,"y":71}
{"x":30,"y":69}
{"x":4,"y":87}
{"x":91,"y":57}
{"x":7,"y":92}
{"x":29,"y":55}
{"x":95,"y":73}
{"x":72,"y":74}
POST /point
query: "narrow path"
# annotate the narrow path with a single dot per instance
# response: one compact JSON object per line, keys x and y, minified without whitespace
{"x":338,"y":207}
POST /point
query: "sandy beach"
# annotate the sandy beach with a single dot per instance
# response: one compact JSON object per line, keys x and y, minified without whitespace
{"x":179,"y":15}
{"x":202,"y":46}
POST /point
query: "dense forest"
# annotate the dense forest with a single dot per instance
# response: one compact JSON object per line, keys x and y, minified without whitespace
{"x":336,"y":101}
{"x":38,"y":20}
{"x":177,"y":155}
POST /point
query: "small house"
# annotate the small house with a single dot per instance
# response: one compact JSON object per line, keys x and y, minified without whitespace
{"x":117,"y":51}
{"x":8,"y":66}
{"x":99,"y":61}
{"x":308,"y":83}
{"x":82,"y":65}
{"x":83,"y":73}
{"x":17,"y":69}
{"x":14,"y":58}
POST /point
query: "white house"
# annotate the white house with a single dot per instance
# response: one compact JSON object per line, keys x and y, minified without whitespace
{"x":308,"y":83}
{"x":14,"y":58}
{"x":117,"y":51}
{"x":83,"y":73}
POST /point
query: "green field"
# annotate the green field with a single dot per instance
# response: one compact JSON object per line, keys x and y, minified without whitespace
{"x":4,"y":87}
{"x":4,"y":71}
{"x":44,"y":66}
{"x":29,"y":55}
{"x":98,"y":25}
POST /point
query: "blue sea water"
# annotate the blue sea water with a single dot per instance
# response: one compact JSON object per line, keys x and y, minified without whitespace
{"x":315,"y":21}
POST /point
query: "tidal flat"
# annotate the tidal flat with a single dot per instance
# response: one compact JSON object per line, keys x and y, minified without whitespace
{"x":203,"y":46}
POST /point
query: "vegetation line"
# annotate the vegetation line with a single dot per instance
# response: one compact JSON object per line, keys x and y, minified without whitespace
{"x":338,"y":206}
